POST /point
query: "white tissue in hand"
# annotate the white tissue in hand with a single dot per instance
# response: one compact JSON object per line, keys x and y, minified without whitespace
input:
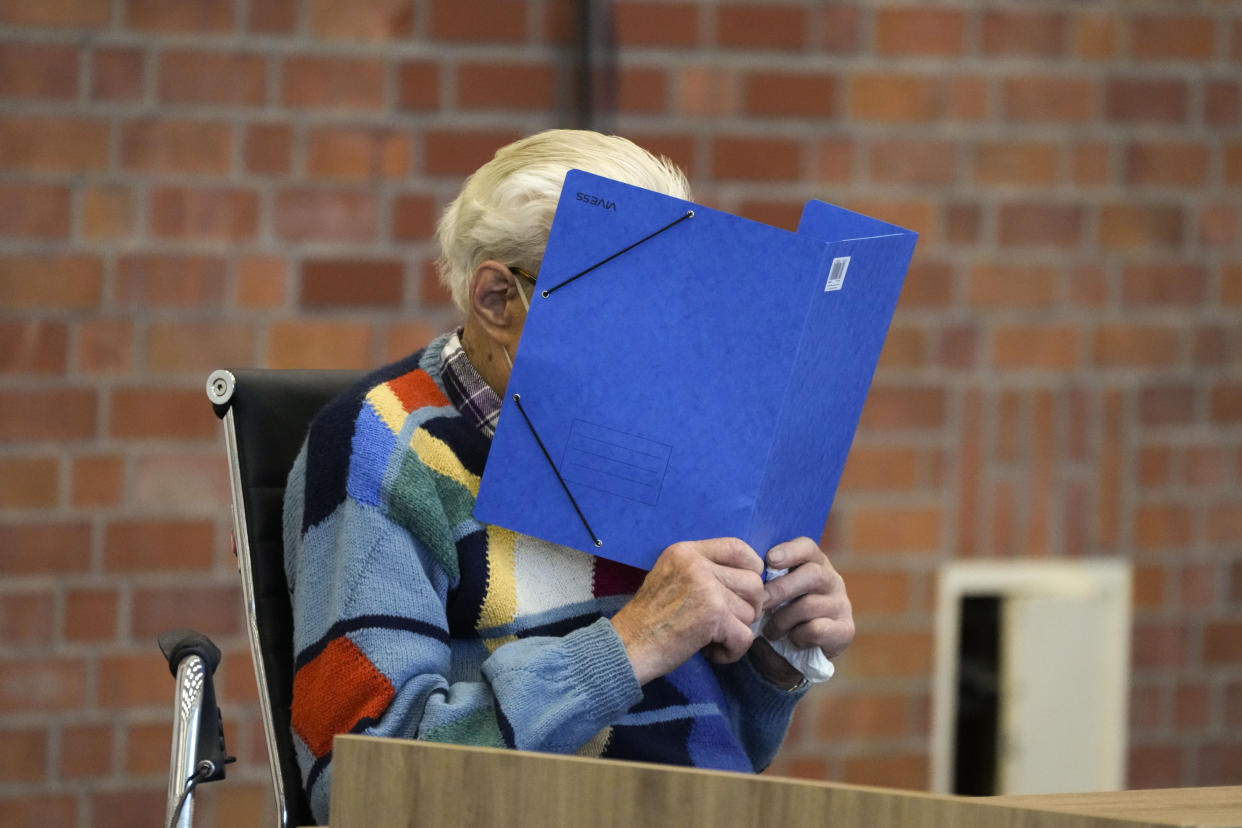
{"x":809,"y":661}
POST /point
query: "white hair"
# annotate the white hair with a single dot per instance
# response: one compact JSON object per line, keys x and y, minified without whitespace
{"x":504,"y":210}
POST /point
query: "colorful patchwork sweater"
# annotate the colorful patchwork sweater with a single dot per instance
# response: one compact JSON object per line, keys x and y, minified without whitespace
{"x":412,"y":619}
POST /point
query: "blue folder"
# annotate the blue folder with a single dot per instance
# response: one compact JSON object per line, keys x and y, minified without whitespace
{"x":685,"y":373}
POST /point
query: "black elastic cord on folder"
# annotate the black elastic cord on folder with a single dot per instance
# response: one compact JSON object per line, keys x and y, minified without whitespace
{"x":687,"y":215}
{"x":517,"y":400}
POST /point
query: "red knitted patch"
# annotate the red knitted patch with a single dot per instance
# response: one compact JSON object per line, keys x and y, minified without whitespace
{"x":417,"y":389}
{"x":339,"y":687}
{"x":612,"y":578}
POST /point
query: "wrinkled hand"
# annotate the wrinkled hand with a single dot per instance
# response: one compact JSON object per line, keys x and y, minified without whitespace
{"x":817,"y":611}
{"x":700,"y":595}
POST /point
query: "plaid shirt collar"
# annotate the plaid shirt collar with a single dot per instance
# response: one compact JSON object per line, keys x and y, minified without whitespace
{"x":473,"y":397}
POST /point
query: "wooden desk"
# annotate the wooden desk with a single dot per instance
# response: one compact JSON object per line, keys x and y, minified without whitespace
{"x":397,"y":783}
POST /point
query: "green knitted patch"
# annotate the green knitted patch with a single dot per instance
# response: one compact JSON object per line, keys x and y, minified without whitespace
{"x":477,"y":728}
{"x":415,"y":502}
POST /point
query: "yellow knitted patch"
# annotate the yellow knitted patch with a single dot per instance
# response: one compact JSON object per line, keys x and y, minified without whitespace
{"x":437,"y":456}
{"x":500,"y":601}
{"x":387,"y":406}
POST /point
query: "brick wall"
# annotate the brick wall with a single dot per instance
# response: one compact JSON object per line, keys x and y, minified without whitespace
{"x":192,"y":184}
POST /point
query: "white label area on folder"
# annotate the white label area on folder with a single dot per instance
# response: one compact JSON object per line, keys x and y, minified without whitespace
{"x":836,"y":273}
{"x":616,"y":462}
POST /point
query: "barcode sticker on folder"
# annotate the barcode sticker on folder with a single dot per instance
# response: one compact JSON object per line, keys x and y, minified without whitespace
{"x":836,"y":274}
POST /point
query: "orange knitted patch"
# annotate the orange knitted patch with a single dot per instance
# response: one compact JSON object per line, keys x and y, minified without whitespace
{"x":338,"y":688}
{"x":417,"y":389}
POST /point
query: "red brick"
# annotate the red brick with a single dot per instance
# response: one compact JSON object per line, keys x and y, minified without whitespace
{"x":53,"y":144}
{"x":1026,"y":164}
{"x":152,"y":546}
{"x":966,"y":98}
{"x":1219,"y":763}
{"x":1233,"y":163}
{"x":83,"y":13}
{"x":1131,"y":226}
{"x":404,"y":338}
{"x":904,"y":348}
{"x":339,"y":83}
{"x":187,"y":16}
{"x":1135,"y":345}
{"x":1172,"y":38}
{"x":919,"y":163}
{"x":319,"y":345}
{"x":707,"y":91}
{"x":1095,"y":36}
{"x":1217,"y":224}
{"x":352,"y":283}
{"x":1203,"y":466}
{"x":197,"y":348}
{"x":1155,"y":766}
{"x":478,"y":20}
{"x":1090,"y":163}
{"x":1199,"y":585}
{"x":757,"y":159}
{"x":107,"y":211}
{"x":1163,"y":285}
{"x":1167,"y":404}
{"x":23,"y":754}
{"x":155,"y":280}
{"x":176,"y":146}
{"x":413,"y":218}
{"x":864,"y":716}
{"x":1147,"y":590}
{"x":1167,"y":164}
{"x":1036,"y":347}
{"x":1227,"y":403}
{"x":1041,"y":34}
{"x":431,"y":290}
{"x":929,"y":284}
{"x":29,"y":482}
{"x":27,"y":619}
{"x":38,"y":70}
{"x":456,"y":153}
{"x":790,"y":94}
{"x":269,"y":148}
{"x":91,"y":614}
{"x":962,"y":222}
{"x":889,"y":653}
{"x":33,"y":347}
{"x":418,"y":85}
{"x":117,"y":75}
{"x":42,"y":684}
{"x":1162,"y":527}
{"x":260,"y":281}
{"x":1158,"y":645}
{"x":204,"y":213}
{"x":161,"y":413}
{"x":213,"y":610}
{"x":47,"y":414}
{"x":34,"y":211}
{"x":959,"y":347}
{"x":125,"y":808}
{"x":1148,"y":100}
{"x":893,"y":98}
{"x":770,"y":26}
{"x":1221,"y":106}
{"x":359,"y":154}
{"x":105,"y":346}
{"x":640,"y":23}
{"x":1040,"y":223}
{"x":1211,"y":346}
{"x":997,"y":285}
{"x":894,"y":530}
{"x":274,"y":16}
{"x":881,"y":469}
{"x":371,"y":20}
{"x":44,"y":548}
{"x":326,"y":215}
{"x":183,"y":483}
{"x":911,"y":30}
{"x":520,"y":86}
{"x":1222,"y":642}
{"x":203,"y":77}
{"x":642,"y":89}
{"x":145,"y":746}
{"x":839,"y":27}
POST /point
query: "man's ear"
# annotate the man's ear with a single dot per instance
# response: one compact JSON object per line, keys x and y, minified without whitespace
{"x":492,"y":291}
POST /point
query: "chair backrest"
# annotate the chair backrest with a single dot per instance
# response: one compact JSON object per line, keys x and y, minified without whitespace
{"x":266,"y":414}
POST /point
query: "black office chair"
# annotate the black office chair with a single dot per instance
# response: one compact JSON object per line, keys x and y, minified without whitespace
{"x":265,"y":416}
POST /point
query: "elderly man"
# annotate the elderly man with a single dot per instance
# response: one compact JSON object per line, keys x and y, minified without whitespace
{"x":414,"y":620}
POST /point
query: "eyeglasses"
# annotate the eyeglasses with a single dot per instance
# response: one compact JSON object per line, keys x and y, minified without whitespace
{"x":519,"y":271}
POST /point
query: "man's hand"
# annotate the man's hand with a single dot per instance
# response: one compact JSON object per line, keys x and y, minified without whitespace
{"x":700,"y":595}
{"x":817,"y":611}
